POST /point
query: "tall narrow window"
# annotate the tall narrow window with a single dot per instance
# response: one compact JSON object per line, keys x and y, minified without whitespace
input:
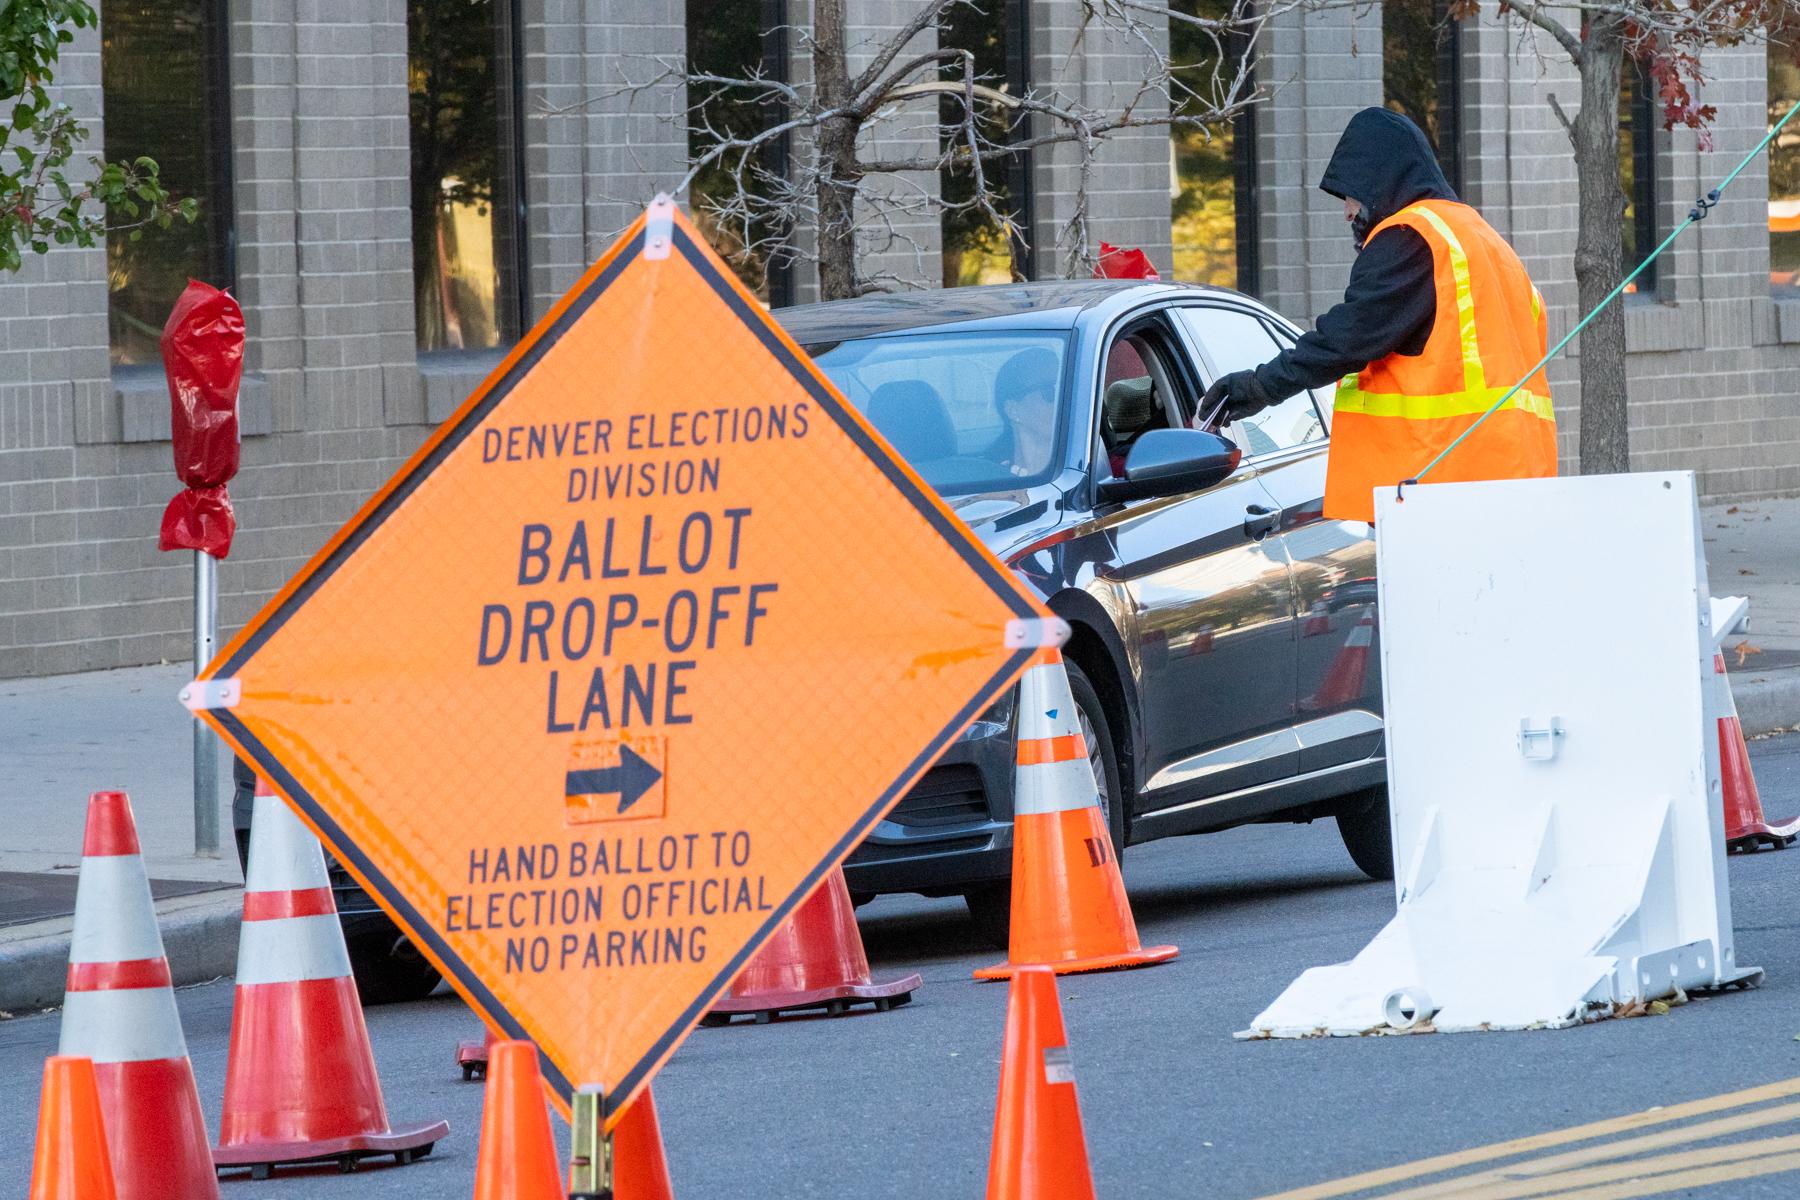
{"x":1784,"y":175}
{"x":467,"y":212}
{"x":1637,"y":173}
{"x":1421,"y":75}
{"x":732,"y":201}
{"x":166,"y":95}
{"x":1212,"y":189}
{"x":977,"y":247}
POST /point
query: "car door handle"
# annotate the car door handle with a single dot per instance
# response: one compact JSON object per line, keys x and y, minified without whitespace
{"x":1260,"y":520}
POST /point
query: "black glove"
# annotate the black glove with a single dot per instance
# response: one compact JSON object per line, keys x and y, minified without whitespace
{"x":1242,"y":394}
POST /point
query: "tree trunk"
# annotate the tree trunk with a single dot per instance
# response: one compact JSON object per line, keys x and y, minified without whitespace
{"x":837,"y":153}
{"x":1599,"y":254}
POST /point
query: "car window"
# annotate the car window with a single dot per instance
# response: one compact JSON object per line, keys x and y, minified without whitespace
{"x":1137,"y":393}
{"x":1237,"y":340}
{"x":972,"y":412}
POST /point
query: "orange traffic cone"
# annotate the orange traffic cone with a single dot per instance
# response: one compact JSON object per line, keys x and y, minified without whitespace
{"x":119,"y":1011}
{"x":473,"y":1057}
{"x":1069,"y":908}
{"x":300,"y":1083}
{"x":1316,"y":621}
{"x":814,"y":961}
{"x":1039,"y":1151}
{"x":1746,"y":829}
{"x":517,"y":1159}
{"x":1349,"y":670}
{"x":71,"y":1162}
{"x":640,"y":1171}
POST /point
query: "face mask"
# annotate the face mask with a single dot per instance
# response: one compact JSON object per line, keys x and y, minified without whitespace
{"x":1359,"y":227}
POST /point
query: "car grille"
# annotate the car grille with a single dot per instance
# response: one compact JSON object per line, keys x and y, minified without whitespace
{"x":947,"y":795}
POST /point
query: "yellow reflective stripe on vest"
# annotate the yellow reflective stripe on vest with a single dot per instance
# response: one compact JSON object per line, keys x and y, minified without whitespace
{"x":1429,"y":408}
{"x":1474,"y":378}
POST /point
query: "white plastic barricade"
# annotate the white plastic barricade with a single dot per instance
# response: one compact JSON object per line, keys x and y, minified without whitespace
{"x":1553,"y":765}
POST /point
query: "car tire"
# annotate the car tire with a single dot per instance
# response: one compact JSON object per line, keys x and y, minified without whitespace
{"x":1363,"y":824}
{"x":1102,"y":755}
{"x":389,"y":970}
{"x":990,"y":904}
{"x":990,"y":908}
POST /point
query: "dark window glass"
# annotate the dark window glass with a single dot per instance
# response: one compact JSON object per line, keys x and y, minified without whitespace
{"x":744,"y":40}
{"x":1213,"y":197}
{"x":972,"y":412}
{"x":467,"y":214}
{"x":1421,"y":75}
{"x":1637,"y":173}
{"x":166,"y":94}
{"x":978,"y":248}
{"x":1784,"y":173}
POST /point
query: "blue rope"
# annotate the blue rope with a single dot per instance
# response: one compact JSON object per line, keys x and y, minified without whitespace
{"x":1697,"y":213}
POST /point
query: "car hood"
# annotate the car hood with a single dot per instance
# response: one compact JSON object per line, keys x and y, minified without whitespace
{"x":1006,"y":522}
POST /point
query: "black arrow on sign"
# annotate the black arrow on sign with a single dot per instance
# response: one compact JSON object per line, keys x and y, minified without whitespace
{"x":629,"y":780}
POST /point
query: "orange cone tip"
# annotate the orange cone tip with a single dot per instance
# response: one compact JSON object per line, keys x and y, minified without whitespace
{"x":517,"y":1159}
{"x":1069,"y":907}
{"x":71,"y":1161}
{"x":300,"y":1082}
{"x":1039,"y":1152}
{"x":119,"y":1012}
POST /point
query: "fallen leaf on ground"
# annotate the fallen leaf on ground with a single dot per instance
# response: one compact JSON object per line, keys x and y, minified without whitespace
{"x":1731,"y":510}
{"x":1744,"y":650}
{"x":1745,"y":571}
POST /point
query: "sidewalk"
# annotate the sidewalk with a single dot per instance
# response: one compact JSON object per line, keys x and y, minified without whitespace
{"x":1753,"y":550}
{"x":64,"y":737}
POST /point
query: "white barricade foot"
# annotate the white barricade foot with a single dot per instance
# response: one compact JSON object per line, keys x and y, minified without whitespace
{"x":1554,"y":772}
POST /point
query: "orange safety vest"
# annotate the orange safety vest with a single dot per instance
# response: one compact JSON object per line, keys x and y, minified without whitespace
{"x":1396,"y":414}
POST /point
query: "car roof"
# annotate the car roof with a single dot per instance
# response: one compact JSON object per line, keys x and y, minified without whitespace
{"x":1044,"y":304}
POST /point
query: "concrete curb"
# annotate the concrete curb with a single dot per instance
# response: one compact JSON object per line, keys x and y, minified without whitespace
{"x":1768,"y":701}
{"x":199,"y":932}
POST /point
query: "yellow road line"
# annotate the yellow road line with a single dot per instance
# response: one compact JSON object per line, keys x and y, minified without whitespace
{"x":1701,"y":1177}
{"x":1466,"y":1185}
{"x":1540,"y":1141}
{"x":1635,"y":1169}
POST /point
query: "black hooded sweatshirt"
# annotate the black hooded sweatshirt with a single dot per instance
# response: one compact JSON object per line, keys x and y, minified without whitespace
{"x":1383,"y":161}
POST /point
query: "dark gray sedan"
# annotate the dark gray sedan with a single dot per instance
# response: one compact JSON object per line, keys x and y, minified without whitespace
{"x":1224,"y":653}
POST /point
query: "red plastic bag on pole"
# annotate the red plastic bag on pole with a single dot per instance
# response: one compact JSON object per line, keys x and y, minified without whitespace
{"x":203,"y":357}
{"x":1123,"y":264}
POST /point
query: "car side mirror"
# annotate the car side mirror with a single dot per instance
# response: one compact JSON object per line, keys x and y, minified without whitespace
{"x":1167,"y":462}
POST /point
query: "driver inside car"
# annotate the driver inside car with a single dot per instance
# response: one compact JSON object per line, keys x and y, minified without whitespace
{"x":1025,"y":395}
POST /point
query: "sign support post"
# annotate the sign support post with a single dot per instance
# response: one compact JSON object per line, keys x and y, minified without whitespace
{"x":206,"y":742}
{"x":590,"y":1147}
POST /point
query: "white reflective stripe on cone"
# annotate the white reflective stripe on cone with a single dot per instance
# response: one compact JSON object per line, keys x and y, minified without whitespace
{"x":1046,"y":691}
{"x":1363,"y":634}
{"x":290,"y":949}
{"x":1054,"y":787}
{"x":122,"y":1025}
{"x":115,"y":919}
{"x":284,"y":854}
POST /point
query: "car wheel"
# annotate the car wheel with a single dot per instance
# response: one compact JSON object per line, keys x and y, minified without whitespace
{"x":390,"y":970}
{"x":1363,"y":824}
{"x":990,"y":907}
{"x":1096,"y":731}
{"x":990,"y":904}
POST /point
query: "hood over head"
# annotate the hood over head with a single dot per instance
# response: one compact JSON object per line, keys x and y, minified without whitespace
{"x":1384,"y":162}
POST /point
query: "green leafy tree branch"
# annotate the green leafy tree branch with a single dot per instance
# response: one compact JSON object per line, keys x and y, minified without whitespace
{"x":39,"y":204}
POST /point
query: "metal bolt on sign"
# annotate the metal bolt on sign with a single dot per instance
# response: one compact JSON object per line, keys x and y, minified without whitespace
{"x":590,"y":1147}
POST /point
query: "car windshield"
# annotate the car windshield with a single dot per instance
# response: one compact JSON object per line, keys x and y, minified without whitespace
{"x":972,"y":412}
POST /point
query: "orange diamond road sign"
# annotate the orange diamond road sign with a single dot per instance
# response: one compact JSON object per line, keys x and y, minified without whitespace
{"x":633,"y":651}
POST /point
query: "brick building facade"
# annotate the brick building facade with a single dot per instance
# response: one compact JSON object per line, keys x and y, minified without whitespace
{"x":322,"y":250}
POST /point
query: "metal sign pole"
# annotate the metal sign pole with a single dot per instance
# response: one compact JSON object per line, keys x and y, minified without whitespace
{"x":206,"y":743}
{"x":590,"y":1147}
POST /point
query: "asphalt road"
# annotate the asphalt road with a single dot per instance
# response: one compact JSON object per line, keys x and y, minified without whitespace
{"x":901,"y":1104}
